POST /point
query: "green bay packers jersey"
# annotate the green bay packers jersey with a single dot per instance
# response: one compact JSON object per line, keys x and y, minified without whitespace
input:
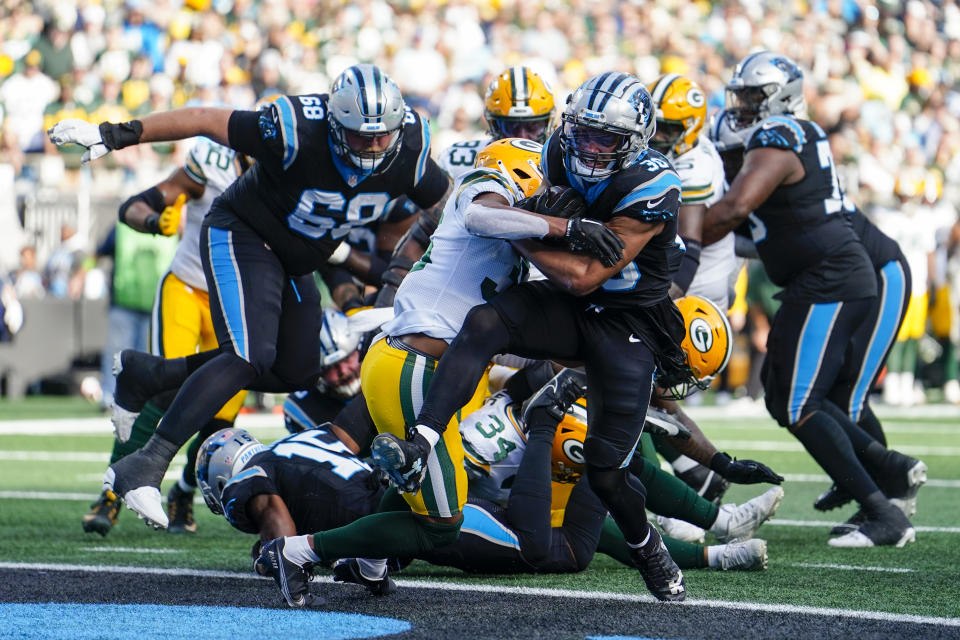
{"x":459,"y":158}
{"x":702,"y":183}
{"x":493,"y":444}
{"x":459,"y":270}
{"x":215,"y":167}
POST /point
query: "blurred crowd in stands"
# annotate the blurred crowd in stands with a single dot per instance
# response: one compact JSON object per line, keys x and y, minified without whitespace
{"x":883,"y":78}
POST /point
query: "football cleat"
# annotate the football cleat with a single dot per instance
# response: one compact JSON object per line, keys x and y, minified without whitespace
{"x":660,"y":423}
{"x":851,"y":524}
{"x":349,"y":570}
{"x":103,"y":514}
{"x":136,"y":384}
{"x":890,"y":529}
{"x":136,"y":479}
{"x":831,"y":499}
{"x":180,"y":511}
{"x":915,"y":475}
{"x":660,"y":573}
{"x":404,"y":461}
{"x":292,"y":578}
{"x":557,"y":395}
{"x":740,"y":523}
{"x":681,"y":529}
{"x":706,"y":482}
{"x":747,"y":555}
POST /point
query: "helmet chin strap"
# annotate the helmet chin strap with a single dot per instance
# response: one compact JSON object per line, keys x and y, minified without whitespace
{"x":591,"y":174}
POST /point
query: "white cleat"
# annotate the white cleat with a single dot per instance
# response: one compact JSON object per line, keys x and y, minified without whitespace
{"x":144,"y":501}
{"x":681,"y":529}
{"x":747,"y":555}
{"x":916,"y":477}
{"x":857,"y":539}
{"x":740,"y":523}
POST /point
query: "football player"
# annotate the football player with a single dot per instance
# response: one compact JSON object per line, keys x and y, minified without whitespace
{"x":181,"y":320}
{"x":325,"y":164}
{"x":616,"y":318}
{"x":467,"y":262}
{"x":788,"y":191}
{"x":518,"y":104}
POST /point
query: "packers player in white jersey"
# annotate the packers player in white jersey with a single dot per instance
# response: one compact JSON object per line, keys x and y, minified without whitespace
{"x":181,"y":323}
{"x":681,"y":114}
{"x":518,"y":104}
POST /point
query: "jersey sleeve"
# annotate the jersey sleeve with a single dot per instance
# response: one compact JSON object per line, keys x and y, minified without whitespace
{"x":483,"y":181}
{"x":655,"y":199}
{"x":194,"y":164}
{"x":778,"y":132}
{"x":250,"y":482}
{"x":257,"y":134}
{"x":551,"y":161}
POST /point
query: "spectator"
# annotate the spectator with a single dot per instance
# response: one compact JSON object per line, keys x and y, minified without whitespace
{"x":27,"y":281}
{"x":63,"y":273}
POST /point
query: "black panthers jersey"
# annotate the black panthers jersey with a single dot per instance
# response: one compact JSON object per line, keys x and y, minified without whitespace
{"x":649,"y":191}
{"x":301,"y":197}
{"x":804,"y":238}
{"x":322,"y":483}
{"x":880,"y":247}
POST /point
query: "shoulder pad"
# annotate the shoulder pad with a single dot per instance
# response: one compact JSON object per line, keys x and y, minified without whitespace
{"x":489,"y":179}
{"x":779,"y":132}
{"x":656,"y":197}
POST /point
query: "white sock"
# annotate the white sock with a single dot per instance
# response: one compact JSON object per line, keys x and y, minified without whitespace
{"x":722,"y":522}
{"x":184,"y":486}
{"x":642,"y":543}
{"x":683,"y":463}
{"x":297,"y":550}
{"x":430,"y":434}
{"x":373,"y":569}
{"x":713,"y":556}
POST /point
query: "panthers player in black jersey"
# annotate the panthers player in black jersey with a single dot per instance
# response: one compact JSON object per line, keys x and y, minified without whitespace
{"x":617,"y":319}
{"x":326,"y":164}
{"x":788,"y":191}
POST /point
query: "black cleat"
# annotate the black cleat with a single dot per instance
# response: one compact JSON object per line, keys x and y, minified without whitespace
{"x":404,"y":461}
{"x":557,"y":395}
{"x":708,"y":484}
{"x":180,"y":511}
{"x":292,"y":578}
{"x":889,"y":529}
{"x":103,"y":514}
{"x":832,"y":498}
{"x":660,"y":573}
{"x":348,"y":570}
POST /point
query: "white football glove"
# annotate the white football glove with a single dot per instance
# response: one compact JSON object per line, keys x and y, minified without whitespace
{"x":76,"y":131}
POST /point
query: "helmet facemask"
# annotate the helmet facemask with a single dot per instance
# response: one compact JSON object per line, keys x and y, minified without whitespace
{"x":594,"y":153}
{"x":669,"y":136}
{"x":748,"y":105}
{"x":537,"y":129}
{"x":366,"y":151}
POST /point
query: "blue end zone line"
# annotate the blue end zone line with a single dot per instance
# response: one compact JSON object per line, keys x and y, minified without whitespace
{"x":522,"y":591}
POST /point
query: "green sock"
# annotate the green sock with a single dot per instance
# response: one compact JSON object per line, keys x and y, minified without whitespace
{"x":647,"y":450}
{"x":613,"y":544}
{"x":393,"y":534}
{"x":143,"y":428}
{"x":687,"y":555}
{"x":665,"y":449}
{"x":392,"y":501}
{"x":670,"y":496}
{"x":895,"y":359}
{"x":951,"y":364}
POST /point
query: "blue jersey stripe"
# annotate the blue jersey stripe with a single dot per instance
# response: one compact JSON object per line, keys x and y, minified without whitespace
{"x":650,"y":190}
{"x":226,"y":273}
{"x":810,"y":349}
{"x":424,"y":152}
{"x":793,"y":124}
{"x":892,"y":300}
{"x":288,"y":127}
{"x":480,"y":523}
{"x":298,"y":415}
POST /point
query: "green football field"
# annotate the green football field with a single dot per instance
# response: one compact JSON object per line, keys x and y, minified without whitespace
{"x":51,"y":465}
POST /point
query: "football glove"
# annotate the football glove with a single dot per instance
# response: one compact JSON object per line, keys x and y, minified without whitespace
{"x":81,"y":132}
{"x":560,"y":202}
{"x":743,"y":471}
{"x":169,"y":222}
{"x":592,"y":236}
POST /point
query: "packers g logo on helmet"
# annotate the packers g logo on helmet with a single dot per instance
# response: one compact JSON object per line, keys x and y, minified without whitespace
{"x":567,"y":457}
{"x":519,"y":104}
{"x":681,"y":113}
{"x":517,"y":159}
{"x":708,"y":338}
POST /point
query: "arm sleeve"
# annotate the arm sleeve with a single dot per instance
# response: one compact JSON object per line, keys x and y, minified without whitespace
{"x":506,"y":224}
{"x":688,"y":265}
{"x":256,"y":133}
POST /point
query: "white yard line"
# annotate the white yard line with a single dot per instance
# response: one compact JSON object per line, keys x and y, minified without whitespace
{"x":101,"y":425}
{"x":848,"y":567}
{"x":777,"y":522}
{"x":128,"y":550}
{"x":818,"y":478}
{"x":520,"y":591}
{"x":740,"y":411}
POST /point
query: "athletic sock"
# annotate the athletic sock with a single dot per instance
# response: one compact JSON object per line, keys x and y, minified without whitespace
{"x":143,"y":427}
{"x":666,"y":450}
{"x":828,"y":444}
{"x":670,"y":496}
{"x":687,"y":555}
{"x":394,"y":534}
{"x":297,"y":549}
{"x":372,"y":569}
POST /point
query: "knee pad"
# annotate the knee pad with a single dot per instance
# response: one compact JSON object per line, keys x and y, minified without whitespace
{"x":439,"y":534}
{"x":602,"y":454}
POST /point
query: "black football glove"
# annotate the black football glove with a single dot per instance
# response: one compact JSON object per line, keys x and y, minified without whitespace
{"x":568,"y":204}
{"x":743,"y":471}
{"x":592,"y":236}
